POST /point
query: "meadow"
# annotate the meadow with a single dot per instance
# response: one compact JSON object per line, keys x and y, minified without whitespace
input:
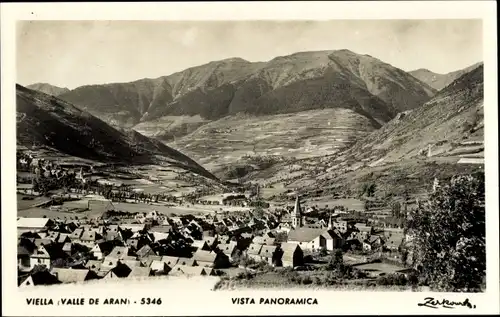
{"x":52,"y":214}
{"x":166,"y":210}
{"x":28,"y":203}
{"x":379,"y":268}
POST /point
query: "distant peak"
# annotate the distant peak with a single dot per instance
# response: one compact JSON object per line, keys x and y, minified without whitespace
{"x":45,"y":85}
{"x":349,"y":53}
{"x":311,"y":52}
{"x":303,"y":54}
{"x":238,"y":59}
{"x":345,"y":50}
{"x":422,"y":70}
{"x":233,"y":60}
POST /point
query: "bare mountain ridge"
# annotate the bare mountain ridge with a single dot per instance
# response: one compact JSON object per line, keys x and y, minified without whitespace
{"x":297,"y":82}
{"x":450,"y":119}
{"x":121,"y":104}
{"x":440,"y":81}
{"x":51,"y":122}
{"x":48,"y":89}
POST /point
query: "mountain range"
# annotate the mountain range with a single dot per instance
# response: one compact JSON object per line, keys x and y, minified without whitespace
{"x":443,"y":137}
{"x":285,"y":84}
{"x":440,"y":81}
{"x":48,"y":89}
{"x":221,"y":111}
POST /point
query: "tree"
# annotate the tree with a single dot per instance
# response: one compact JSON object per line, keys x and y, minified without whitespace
{"x":107,"y":191}
{"x":367,"y":205}
{"x":449,"y":236}
{"x":40,"y":185}
{"x":323,"y":251}
{"x":406,"y":199}
{"x":281,"y":237}
{"x":404,"y":256}
{"x":246,"y":261}
{"x":396,"y":209}
{"x":259,"y":212}
{"x":370,"y":191}
{"x":336,"y":263}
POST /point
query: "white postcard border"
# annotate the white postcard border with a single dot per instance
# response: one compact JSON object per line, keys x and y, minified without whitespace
{"x":188,"y":298}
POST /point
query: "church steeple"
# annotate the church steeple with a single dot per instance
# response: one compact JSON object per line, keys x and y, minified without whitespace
{"x":330,"y":223}
{"x":297,"y":214}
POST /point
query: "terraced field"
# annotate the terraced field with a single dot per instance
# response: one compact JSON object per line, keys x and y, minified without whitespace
{"x":300,"y":135}
{"x":168,"y":128}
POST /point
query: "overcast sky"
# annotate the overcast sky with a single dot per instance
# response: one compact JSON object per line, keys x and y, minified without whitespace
{"x":74,"y":53}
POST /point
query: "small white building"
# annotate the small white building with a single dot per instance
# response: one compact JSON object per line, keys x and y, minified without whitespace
{"x":253,"y":251}
{"x":33,"y":224}
{"x":41,"y":256}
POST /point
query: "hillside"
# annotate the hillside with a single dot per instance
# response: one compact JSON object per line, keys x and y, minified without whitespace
{"x":50,"y":122}
{"x":439,"y":81}
{"x":451,"y":120}
{"x":120,"y":104}
{"x":48,"y":89}
{"x":396,"y":157}
{"x":298,"y":82}
{"x":293,"y":135}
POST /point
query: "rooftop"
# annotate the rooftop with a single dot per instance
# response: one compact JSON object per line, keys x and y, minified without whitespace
{"x":304,"y":234}
{"x":32,"y":222}
{"x":70,"y":275}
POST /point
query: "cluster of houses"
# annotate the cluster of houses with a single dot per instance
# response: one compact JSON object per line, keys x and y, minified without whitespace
{"x":64,"y":251}
{"x":231,"y":199}
{"x":336,"y":233}
{"x":39,"y":167}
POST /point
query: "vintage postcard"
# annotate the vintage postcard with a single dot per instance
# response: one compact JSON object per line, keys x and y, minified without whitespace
{"x":249,"y":158}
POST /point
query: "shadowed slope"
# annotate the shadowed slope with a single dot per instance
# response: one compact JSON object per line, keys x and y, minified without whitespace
{"x":49,"y":121}
{"x":452,"y":118}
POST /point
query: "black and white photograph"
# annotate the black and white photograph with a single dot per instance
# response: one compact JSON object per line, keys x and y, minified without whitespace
{"x":251,"y":155}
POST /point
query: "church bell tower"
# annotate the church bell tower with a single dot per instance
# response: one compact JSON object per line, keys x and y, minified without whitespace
{"x":297,"y":214}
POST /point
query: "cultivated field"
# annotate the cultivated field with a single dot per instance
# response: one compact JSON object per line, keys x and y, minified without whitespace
{"x":169,"y":127}
{"x":349,"y":203}
{"x":277,"y":189}
{"x":166,"y":210}
{"x":54,"y":214}
{"x":25,"y":204}
{"x":301,"y":134}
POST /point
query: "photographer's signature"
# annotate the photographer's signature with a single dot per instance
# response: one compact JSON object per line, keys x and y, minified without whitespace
{"x":431,"y":302}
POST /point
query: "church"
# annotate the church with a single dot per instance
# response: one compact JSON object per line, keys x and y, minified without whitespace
{"x":312,"y":238}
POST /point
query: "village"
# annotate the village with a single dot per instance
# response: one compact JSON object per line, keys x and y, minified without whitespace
{"x":99,"y":240}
